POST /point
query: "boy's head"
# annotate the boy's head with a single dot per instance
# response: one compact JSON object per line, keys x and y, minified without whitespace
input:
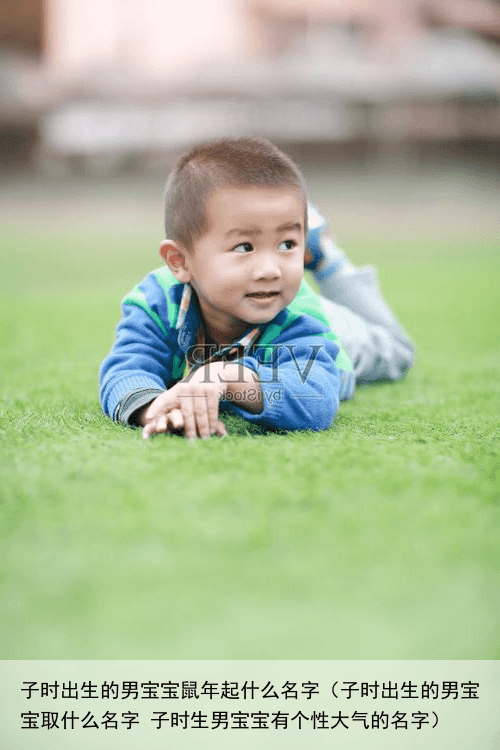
{"x":230,"y":162}
{"x":236,"y":213}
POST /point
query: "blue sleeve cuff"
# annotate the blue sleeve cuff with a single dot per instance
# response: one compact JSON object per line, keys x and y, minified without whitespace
{"x":125,"y":386}
{"x":290,"y":404}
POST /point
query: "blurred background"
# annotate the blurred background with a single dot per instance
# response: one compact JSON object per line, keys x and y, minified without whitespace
{"x":390,"y":107}
{"x":118,"y":86}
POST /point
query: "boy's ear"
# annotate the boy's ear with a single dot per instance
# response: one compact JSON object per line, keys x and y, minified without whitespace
{"x":175,"y":258}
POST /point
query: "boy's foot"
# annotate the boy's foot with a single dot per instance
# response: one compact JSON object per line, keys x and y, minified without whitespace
{"x":322,"y":256}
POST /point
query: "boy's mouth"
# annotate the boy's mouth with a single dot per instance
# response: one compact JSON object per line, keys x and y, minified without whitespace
{"x":263,"y":295}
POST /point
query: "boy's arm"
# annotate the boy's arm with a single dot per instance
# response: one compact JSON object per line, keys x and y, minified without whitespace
{"x":136,"y":375}
{"x":141,"y":364}
{"x":302,"y":387}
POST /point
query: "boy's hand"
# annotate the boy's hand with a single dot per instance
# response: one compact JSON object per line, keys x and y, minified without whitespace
{"x":192,"y":405}
{"x":173,"y":421}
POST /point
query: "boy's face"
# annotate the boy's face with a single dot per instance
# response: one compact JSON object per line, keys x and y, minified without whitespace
{"x":249,"y":263}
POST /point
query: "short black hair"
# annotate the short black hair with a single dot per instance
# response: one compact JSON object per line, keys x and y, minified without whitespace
{"x":238,"y":162}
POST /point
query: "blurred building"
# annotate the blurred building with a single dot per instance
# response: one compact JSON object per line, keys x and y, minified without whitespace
{"x":125,"y":80}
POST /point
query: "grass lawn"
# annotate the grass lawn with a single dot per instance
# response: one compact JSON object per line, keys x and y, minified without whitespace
{"x":377,"y":539}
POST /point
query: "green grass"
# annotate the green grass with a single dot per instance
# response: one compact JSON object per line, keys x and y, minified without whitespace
{"x":377,"y":539}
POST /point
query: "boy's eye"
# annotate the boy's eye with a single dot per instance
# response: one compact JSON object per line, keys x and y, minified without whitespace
{"x":287,"y":245}
{"x":245,"y":247}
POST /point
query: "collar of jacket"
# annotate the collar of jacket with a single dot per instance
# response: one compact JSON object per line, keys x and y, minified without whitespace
{"x":191,"y":330}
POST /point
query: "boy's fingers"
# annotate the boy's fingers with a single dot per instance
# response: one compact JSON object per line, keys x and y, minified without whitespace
{"x":176,"y":419}
{"x":201,"y":413}
{"x":162,"y":423}
{"x":213,"y":408}
{"x":187,"y":409}
{"x":219,"y":429}
{"x":156,"y":426}
{"x":149,"y":429}
{"x":191,"y":408}
{"x":156,"y":408}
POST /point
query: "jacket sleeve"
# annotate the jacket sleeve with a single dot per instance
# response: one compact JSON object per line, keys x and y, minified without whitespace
{"x":141,"y":359}
{"x":301,"y":385}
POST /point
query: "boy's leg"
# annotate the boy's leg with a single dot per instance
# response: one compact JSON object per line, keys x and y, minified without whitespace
{"x":377,"y":351}
{"x":353,"y":303}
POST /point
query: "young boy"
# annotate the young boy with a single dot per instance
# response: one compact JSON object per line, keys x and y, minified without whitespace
{"x":229,"y":323}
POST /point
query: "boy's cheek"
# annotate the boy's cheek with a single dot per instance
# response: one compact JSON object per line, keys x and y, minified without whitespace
{"x":294,"y":288}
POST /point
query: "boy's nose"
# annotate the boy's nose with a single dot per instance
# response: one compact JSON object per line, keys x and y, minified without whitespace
{"x":267,"y":267}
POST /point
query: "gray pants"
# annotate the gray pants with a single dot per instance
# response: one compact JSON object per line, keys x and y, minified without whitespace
{"x":377,"y":345}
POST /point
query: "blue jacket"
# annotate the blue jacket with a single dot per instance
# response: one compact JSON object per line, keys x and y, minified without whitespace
{"x":303,"y":371}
